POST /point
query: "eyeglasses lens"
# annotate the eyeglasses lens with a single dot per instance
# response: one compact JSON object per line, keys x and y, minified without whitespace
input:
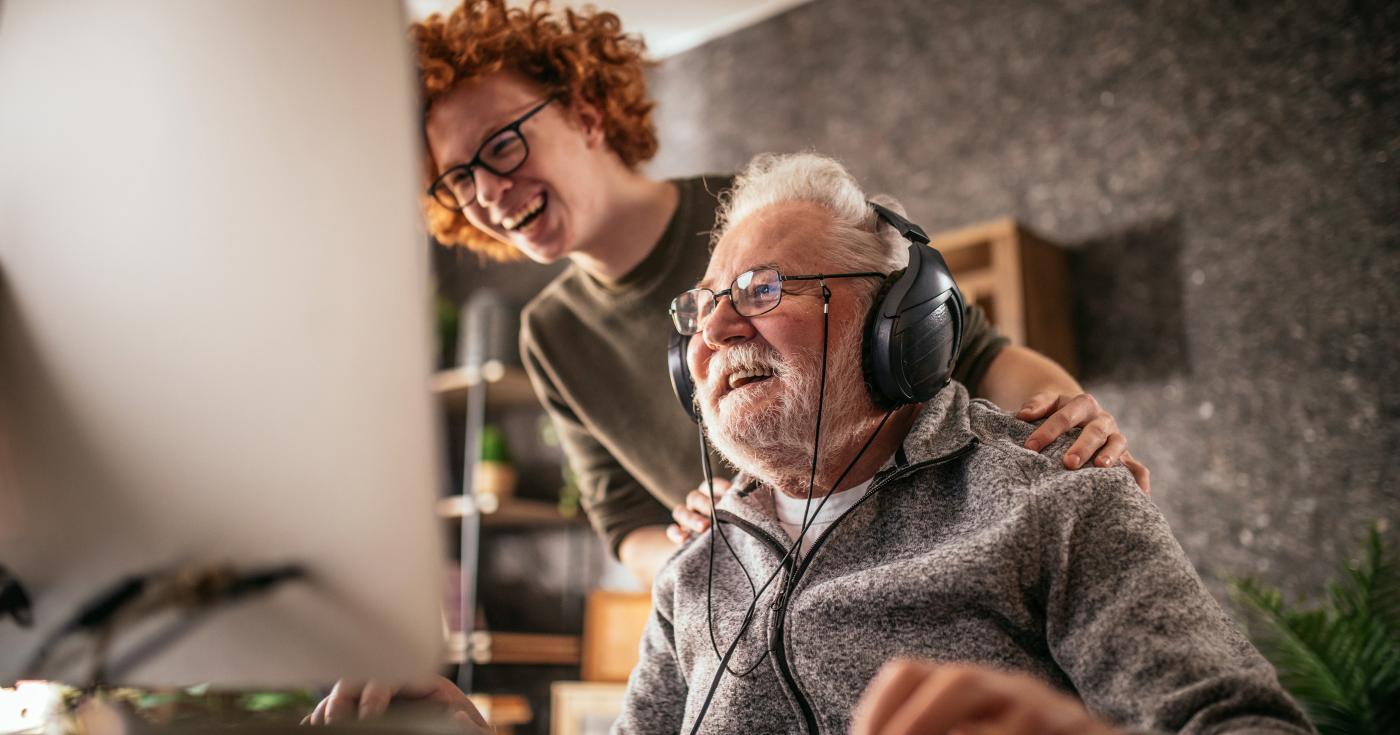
{"x":757,"y":291}
{"x":690,"y":309}
{"x":501,"y":155}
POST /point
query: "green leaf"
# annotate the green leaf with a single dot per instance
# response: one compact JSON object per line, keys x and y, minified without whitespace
{"x":1339,"y":658}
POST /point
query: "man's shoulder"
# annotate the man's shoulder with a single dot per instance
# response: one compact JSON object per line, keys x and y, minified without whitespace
{"x":1040,"y":476}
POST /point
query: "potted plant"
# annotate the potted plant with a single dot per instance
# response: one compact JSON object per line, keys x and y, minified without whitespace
{"x":494,"y":477}
{"x":1340,"y":657}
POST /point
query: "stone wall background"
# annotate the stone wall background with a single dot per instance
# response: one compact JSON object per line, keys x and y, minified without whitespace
{"x":1225,"y":174}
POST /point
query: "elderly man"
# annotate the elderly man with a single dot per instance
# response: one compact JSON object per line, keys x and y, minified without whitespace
{"x":958,"y":580}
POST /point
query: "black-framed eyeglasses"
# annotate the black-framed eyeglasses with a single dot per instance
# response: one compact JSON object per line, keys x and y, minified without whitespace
{"x":753,"y":292}
{"x":501,"y":154}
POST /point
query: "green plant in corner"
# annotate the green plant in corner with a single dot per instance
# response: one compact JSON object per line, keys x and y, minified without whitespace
{"x":1339,"y":658}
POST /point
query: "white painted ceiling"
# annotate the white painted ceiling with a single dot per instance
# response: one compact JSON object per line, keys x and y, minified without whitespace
{"x":668,"y":26}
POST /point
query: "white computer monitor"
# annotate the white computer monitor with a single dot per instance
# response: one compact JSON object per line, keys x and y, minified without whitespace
{"x":214,"y":330}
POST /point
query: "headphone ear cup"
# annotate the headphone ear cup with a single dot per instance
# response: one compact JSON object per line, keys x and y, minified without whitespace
{"x":681,"y":382}
{"x":875,"y":351}
{"x":913,"y":332}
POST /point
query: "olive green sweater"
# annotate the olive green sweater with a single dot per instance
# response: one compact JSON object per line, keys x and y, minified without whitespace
{"x":596,"y":354}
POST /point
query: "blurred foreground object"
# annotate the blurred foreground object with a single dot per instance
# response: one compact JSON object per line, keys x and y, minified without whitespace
{"x":214,"y":338}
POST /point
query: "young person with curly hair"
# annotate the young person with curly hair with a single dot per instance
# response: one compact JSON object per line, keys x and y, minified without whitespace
{"x":537,"y":123}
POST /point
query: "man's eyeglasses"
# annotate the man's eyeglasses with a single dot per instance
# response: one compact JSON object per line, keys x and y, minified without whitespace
{"x":501,"y":154}
{"x":754,"y":292}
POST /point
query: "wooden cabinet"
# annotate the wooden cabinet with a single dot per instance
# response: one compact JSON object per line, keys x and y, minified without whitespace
{"x":613,"y":623}
{"x":1020,"y":280}
{"x":584,"y":708}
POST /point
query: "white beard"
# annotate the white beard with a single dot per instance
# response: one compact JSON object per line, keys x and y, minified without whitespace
{"x":774,"y":442}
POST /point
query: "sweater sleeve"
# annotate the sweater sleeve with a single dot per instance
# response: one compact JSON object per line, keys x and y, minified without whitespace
{"x":1133,"y":626}
{"x":980,"y":344}
{"x":655,"y":701}
{"x":615,"y":502}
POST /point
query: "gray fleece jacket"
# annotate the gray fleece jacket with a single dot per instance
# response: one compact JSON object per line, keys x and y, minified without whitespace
{"x":966,"y":547}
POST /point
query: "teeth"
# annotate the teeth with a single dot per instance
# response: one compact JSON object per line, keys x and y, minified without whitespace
{"x":741,"y":375}
{"x":531,"y":208}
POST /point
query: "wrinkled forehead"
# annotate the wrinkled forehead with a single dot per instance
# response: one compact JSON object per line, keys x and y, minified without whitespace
{"x":794,"y":237}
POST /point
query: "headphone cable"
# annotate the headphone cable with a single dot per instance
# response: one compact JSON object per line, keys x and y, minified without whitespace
{"x":792,"y":551}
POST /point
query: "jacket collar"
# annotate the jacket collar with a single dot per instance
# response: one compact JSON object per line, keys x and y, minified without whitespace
{"x":942,"y":427}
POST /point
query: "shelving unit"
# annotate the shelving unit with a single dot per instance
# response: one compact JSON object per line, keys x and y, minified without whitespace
{"x":512,"y":512}
{"x":1020,"y":280}
{"x":509,"y":388}
{"x":469,"y":396}
{"x":503,"y":711}
{"x":488,"y":647}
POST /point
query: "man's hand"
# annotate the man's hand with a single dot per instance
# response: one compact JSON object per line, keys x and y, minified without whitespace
{"x":912,"y":697}
{"x":693,"y":518}
{"x":1099,"y":439}
{"x":350,"y":701}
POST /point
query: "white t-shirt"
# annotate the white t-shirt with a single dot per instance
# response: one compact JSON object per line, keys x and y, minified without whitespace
{"x":789,"y":511}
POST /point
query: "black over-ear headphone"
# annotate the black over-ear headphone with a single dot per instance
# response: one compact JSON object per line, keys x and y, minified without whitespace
{"x":913,"y":332}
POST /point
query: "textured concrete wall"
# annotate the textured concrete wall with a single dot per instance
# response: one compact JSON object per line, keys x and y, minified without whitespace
{"x":1227,"y":176}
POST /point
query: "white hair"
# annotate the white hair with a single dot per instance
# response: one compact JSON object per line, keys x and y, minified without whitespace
{"x":863,"y":241}
{"x":776,"y":444}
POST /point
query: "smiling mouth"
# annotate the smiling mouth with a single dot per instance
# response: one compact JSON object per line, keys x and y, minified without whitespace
{"x":743,"y":378}
{"x":522,"y":218}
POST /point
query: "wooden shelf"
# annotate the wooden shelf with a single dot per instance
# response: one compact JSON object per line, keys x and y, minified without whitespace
{"x":503,"y":710}
{"x":508,"y":388}
{"x":1020,"y":281}
{"x":488,"y":647}
{"x":513,"y":512}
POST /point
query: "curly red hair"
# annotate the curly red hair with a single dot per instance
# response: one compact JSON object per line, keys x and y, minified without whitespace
{"x":578,"y":56}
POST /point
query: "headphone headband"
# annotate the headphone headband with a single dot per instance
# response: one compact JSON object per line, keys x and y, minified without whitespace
{"x":906,"y":229}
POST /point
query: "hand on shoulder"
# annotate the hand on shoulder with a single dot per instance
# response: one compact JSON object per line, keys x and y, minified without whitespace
{"x":1100,"y":443}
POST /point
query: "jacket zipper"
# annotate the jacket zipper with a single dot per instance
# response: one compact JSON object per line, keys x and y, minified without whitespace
{"x":778,"y":644}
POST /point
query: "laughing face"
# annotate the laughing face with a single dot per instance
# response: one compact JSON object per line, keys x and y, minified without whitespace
{"x":758,"y":378}
{"x":546,"y":208}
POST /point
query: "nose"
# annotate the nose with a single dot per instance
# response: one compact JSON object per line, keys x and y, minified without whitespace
{"x":725,"y":327}
{"x":489,"y":187}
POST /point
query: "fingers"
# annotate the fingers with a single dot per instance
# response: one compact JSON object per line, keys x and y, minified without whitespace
{"x":1112,"y":451}
{"x":444,"y":691}
{"x":465,"y":711}
{"x":349,"y":701}
{"x":689,"y":521}
{"x":374,"y":699}
{"x":948,"y":697}
{"x":468,"y":726}
{"x":1094,"y":435}
{"x":318,"y":715}
{"x":693,"y":516}
{"x":911,"y":697}
{"x":886,"y":693}
{"x":342,"y":704}
{"x":699,"y":502}
{"x":1100,"y":438}
{"x":1140,"y":472}
{"x":1071,"y":413}
{"x":1038,"y":406}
